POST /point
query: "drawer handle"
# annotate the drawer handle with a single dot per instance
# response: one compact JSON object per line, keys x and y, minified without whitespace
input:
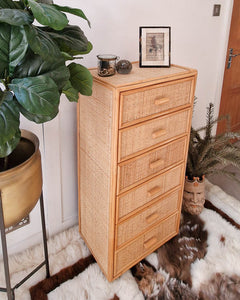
{"x":161,"y":101}
{"x":156,"y":164}
{"x":154,"y":191}
{"x":149,"y":243}
{"x":153,"y":217}
{"x":158,"y":133}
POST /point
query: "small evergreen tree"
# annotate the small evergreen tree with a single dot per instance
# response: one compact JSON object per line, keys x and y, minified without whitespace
{"x":210,"y":153}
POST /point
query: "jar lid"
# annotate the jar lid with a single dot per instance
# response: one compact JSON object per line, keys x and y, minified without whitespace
{"x":106,"y":56}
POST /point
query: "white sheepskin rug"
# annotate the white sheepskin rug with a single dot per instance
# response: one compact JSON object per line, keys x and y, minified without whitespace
{"x":66,"y":248}
{"x":223,"y":253}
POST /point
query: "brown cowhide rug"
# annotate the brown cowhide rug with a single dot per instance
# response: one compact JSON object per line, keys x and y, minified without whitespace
{"x":172,"y":279}
{"x":179,"y":253}
{"x":175,"y":257}
{"x":169,"y":278}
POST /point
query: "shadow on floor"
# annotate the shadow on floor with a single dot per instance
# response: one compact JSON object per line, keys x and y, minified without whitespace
{"x":229,"y":186}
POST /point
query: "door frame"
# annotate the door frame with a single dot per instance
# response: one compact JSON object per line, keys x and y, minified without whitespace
{"x":223,"y":57}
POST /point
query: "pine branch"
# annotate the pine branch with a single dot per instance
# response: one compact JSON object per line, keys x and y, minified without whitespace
{"x":230,"y":175}
{"x":215,"y":144}
{"x":210,"y":122}
{"x":226,"y":157}
{"x":208,"y":153}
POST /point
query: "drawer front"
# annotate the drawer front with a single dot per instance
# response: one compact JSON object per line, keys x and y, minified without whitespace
{"x":139,"y":169}
{"x":145,"y":103}
{"x":145,"y":244}
{"x":141,"y":195}
{"x":136,"y":139}
{"x":142,"y":221}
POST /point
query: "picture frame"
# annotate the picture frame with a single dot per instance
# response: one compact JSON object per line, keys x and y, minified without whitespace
{"x":154,"y":46}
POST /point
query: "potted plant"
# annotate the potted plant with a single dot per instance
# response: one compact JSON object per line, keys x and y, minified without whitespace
{"x":36,"y":43}
{"x":208,"y":154}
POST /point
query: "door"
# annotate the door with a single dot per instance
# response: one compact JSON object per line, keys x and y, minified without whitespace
{"x":230,"y":100}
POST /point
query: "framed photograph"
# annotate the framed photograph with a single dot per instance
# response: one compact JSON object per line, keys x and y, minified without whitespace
{"x":154,"y":46}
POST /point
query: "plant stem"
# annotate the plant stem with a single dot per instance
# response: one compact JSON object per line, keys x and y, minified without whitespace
{"x":5,"y":163}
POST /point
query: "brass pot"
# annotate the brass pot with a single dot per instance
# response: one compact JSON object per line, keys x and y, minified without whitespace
{"x":21,"y":184}
{"x":194,"y":195}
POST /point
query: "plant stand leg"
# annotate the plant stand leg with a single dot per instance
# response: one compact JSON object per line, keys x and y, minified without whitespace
{"x":44,"y":236}
{"x":10,"y":292}
{"x":8,"y":289}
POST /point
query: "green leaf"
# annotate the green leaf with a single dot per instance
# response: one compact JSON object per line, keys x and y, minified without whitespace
{"x":11,"y":4}
{"x":33,"y":65}
{"x":60,"y":75}
{"x":15,"y":17}
{"x":81,"y":79}
{"x":89,"y":49}
{"x":38,"y":95}
{"x":45,"y":1}
{"x":13,"y":46}
{"x":10,"y":145}
{"x":39,"y":119}
{"x":48,"y":15}
{"x":6,"y":4}
{"x":5,"y":33}
{"x":41,"y":43}
{"x":73,"y":11}
{"x":70,"y":40}
{"x":9,"y":123}
{"x":70,"y":92}
{"x":74,"y":53}
{"x":17,"y":47}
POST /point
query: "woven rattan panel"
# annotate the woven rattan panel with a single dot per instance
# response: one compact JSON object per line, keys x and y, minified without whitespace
{"x":133,"y":135}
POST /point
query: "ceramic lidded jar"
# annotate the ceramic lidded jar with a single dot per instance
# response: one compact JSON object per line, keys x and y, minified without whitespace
{"x":124,"y":66}
{"x":106,"y":64}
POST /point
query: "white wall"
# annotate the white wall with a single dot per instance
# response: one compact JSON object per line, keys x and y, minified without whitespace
{"x":198,"y":41}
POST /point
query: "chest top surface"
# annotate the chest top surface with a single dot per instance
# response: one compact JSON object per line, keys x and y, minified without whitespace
{"x":143,"y":75}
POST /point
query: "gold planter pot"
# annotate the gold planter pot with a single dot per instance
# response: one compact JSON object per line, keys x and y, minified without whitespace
{"x":21,"y":184}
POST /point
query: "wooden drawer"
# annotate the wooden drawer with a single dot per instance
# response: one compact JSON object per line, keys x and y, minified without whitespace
{"x":145,"y":244}
{"x":148,"y":192}
{"x":139,"y":138}
{"x":139,"y":169}
{"x":148,"y":102}
{"x":134,"y":226}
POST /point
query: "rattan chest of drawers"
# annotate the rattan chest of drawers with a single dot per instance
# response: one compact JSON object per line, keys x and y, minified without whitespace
{"x":133,"y":136}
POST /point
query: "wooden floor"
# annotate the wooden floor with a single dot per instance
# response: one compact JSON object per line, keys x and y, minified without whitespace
{"x":231,"y":187}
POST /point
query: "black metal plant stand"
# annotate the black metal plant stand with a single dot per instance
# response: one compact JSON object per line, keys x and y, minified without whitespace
{"x":10,"y":290}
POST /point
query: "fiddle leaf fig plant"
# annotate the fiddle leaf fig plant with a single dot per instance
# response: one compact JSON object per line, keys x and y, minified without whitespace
{"x":37,"y":49}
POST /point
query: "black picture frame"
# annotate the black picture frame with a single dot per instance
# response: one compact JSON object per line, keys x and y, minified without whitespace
{"x":154,"y":46}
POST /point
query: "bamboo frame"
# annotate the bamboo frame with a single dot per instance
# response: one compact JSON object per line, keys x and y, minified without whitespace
{"x":100,"y":126}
